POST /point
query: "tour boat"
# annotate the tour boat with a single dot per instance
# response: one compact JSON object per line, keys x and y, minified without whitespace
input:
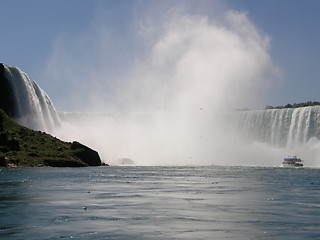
{"x":292,"y":162}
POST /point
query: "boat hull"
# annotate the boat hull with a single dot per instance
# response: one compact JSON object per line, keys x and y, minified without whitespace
{"x":292,"y":162}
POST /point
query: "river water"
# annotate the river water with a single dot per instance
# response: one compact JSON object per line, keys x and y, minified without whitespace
{"x":191,"y":202}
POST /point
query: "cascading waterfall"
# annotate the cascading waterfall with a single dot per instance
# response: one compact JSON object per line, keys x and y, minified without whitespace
{"x":32,"y":106}
{"x":280,"y":127}
{"x":284,"y":128}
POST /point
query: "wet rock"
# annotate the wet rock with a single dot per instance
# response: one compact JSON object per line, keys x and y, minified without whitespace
{"x":2,"y":161}
{"x":86,"y":154}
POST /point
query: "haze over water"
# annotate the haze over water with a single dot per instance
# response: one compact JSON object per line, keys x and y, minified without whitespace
{"x":166,"y":108}
{"x":172,"y":105}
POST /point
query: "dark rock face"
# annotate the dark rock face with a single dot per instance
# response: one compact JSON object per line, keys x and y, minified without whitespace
{"x":7,"y":102}
{"x":1,"y":122}
{"x":86,"y":154}
{"x":2,"y":161}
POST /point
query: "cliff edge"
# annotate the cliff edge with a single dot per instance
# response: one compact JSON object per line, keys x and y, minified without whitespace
{"x":23,"y":147}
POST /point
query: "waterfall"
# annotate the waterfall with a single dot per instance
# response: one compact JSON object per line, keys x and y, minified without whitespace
{"x":280,"y":127}
{"x":32,"y":106}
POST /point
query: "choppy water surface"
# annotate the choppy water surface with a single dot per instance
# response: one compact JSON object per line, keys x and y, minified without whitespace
{"x":160,"y":203}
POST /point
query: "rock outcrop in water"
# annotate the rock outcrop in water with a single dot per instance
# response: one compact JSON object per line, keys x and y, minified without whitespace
{"x":86,"y":154}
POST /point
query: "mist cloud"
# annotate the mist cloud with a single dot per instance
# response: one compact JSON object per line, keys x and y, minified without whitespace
{"x":163,"y":104}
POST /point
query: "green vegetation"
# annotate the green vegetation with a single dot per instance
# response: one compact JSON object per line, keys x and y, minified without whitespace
{"x":295,"y":105}
{"x":20,"y":146}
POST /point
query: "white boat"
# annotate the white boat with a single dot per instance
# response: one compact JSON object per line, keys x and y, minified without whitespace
{"x":292,"y":162}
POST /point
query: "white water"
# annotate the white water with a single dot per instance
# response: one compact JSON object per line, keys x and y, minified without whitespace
{"x":33,"y":106}
{"x":171,"y":106}
{"x":167,"y":109}
{"x":256,"y":137}
{"x":287,"y":127}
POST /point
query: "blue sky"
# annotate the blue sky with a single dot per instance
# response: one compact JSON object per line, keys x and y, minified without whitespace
{"x":33,"y":30}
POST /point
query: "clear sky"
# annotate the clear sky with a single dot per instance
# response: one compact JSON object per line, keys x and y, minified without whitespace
{"x":81,"y":35}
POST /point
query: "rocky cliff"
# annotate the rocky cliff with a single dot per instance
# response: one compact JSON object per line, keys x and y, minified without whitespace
{"x":20,"y":146}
